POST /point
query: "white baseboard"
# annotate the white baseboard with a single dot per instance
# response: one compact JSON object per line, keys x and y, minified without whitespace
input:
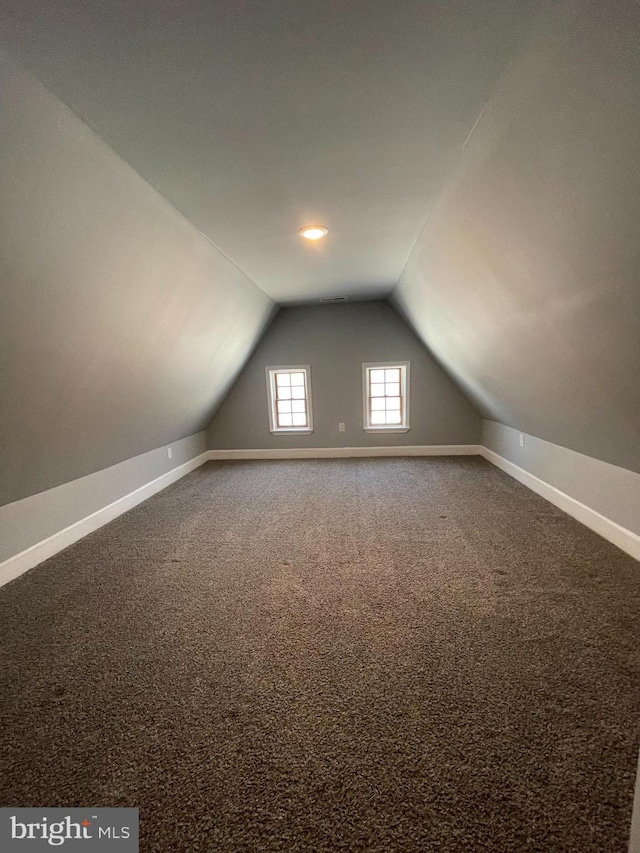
{"x":348,"y":452}
{"x":624,"y":539}
{"x":25,"y":560}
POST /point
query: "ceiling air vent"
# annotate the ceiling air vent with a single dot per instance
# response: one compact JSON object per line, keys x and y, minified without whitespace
{"x":333,"y":299}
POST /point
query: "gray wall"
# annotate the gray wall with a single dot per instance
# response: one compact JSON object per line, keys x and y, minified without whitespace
{"x":335,"y":340}
{"x":32,"y":520}
{"x":121,"y":327}
{"x":612,"y":491}
{"x":525,"y":282}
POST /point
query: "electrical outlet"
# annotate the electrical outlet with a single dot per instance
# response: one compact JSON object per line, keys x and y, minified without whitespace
{"x":521,"y":439}
{"x":341,"y":427}
{"x":169,"y":453}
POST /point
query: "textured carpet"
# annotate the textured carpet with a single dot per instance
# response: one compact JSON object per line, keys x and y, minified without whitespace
{"x":376,"y":655}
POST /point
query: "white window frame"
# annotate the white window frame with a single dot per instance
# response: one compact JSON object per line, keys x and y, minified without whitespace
{"x":403,"y":366}
{"x":271,"y":372}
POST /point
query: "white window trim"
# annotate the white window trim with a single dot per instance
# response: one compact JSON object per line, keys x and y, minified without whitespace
{"x":404,"y":426}
{"x":271,"y":370}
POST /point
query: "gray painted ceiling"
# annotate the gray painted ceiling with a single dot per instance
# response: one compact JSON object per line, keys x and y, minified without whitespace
{"x":526,"y":281}
{"x":253,"y":118}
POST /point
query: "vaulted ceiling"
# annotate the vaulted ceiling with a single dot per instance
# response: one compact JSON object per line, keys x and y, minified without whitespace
{"x":525,"y":281}
{"x":477,"y":162}
{"x":255,"y":117}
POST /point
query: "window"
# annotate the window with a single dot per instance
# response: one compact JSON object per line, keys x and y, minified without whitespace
{"x":386,"y":397}
{"x":289,"y":399}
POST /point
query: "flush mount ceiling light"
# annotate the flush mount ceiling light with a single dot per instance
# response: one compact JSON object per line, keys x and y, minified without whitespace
{"x":313,"y":232}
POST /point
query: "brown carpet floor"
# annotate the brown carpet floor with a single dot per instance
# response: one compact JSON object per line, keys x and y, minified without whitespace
{"x":332,"y":655}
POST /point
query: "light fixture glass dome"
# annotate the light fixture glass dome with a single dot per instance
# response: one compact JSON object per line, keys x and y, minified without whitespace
{"x":313,"y":232}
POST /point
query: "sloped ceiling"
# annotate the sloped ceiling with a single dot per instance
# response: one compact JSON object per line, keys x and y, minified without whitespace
{"x":525,"y":282}
{"x":483,"y":155}
{"x":255,"y":117}
{"x":121,"y":327}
